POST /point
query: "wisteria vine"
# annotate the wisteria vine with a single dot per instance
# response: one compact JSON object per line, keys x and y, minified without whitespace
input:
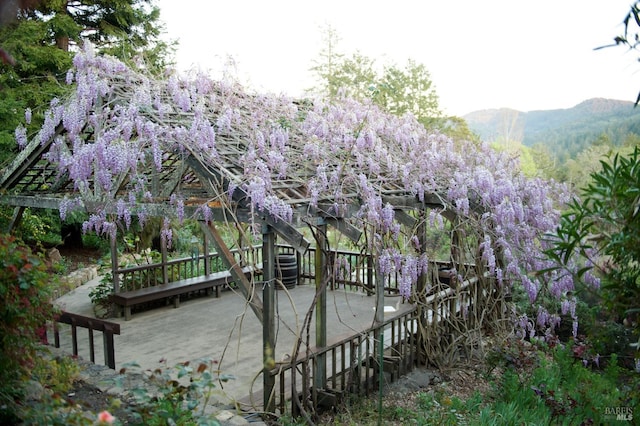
{"x":120,"y":122}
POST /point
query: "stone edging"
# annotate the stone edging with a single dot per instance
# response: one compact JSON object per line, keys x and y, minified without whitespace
{"x":75,"y":279}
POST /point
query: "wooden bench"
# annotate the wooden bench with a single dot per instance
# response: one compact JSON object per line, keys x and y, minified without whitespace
{"x":128,"y":299}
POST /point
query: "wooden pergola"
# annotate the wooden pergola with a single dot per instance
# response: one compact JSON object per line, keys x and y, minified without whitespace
{"x":33,"y":181}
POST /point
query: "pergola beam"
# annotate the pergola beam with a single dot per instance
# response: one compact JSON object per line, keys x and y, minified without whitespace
{"x":405,"y":218}
{"x":26,"y":159}
{"x":290,"y":234}
{"x":246,"y":287}
{"x":345,"y":228}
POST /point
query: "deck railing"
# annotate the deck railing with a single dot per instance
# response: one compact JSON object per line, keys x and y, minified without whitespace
{"x":351,"y":269}
{"x":107,"y":328}
{"x":153,"y":274}
{"x":351,"y":365}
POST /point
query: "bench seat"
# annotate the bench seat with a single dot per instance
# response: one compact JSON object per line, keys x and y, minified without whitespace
{"x":173,"y":290}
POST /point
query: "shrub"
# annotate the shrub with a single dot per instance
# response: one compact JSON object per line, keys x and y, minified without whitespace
{"x":561,"y":390}
{"x":25,"y":291}
{"x":181,"y":394}
{"x":603,"y":228}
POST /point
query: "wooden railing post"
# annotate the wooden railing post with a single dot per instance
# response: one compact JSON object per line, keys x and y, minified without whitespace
{"x":165,"y":269}
{"x":320,"y":373}
{"x":268,"y":317}
{"x":370,"y":278}
{"x":109,"y":347}
{"x":107,"y":328}
{"x":207,"y":259}
{"x":115,"y":273}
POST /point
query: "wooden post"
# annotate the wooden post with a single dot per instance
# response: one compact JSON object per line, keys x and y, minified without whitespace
{"x":238,"y":275}
{"x":321,"y":270}
{"x":423,"y":313}
{"x":109,"y":347}
{"x":207,"y":259}
{"x":379,"y":316}
{"x":165,"y":268}
{"x":114,"y":266}
{"x":15,"y":220}
{"x":268,"y":316}
{"x":378,"y":334}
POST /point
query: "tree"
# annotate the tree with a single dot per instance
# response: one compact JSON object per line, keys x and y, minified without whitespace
{"x":121,"y":28}
{"x":325,"y":66}
{"x":354,"y":77}
{"x":578,"y":171}
{"x":544,"y":161}
{"x":408,"y":90}
{"x":31,"y":82}
{"x":457,"y":129}
{"x":397,"y":90}
{"x":41,"y":42}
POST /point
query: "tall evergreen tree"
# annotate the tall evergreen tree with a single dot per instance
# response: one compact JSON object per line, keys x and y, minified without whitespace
{"x":40,"y":38}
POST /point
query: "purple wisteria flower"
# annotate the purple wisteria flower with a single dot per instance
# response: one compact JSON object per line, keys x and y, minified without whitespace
{"x":120,"y":123}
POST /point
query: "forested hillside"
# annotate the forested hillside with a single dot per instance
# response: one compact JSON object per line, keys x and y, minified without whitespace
{"x":566,"y":132}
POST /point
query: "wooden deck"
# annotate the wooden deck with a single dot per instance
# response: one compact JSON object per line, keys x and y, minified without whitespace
{"x":225,"y":329}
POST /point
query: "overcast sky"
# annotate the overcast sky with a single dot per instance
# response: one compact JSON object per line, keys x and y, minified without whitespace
{"x":526,"y":55}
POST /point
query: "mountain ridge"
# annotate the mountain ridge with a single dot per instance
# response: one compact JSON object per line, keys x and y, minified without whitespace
{"x":564,"y":131}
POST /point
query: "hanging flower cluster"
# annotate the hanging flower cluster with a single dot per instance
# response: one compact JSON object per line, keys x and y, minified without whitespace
{"x":119,"y":123}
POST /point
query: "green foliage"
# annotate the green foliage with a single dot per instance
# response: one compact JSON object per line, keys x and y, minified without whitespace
{"x":122,"y":28}
{"x":93,"y":241}
{"x":512,"y":353}
{"x":25,"y":291}
{"x":604,"y":228}
{"x":56,"y":407}
{"x":578,"y":171}
{"x":40,"y":39}
{"x":181,"y":396}
{"x":601,"y":337}
{"x":560,"y":391}
{"x":535,"y":384}
{"x":31,"y":83}
{"x":57,"y":374}
{"x":39,"y":227}
{"x":408,"y":90}
{"x":100,"y":296}
{"x":397,"y":90}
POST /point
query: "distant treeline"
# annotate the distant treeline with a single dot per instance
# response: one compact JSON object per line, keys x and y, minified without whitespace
{"x":566,"y":132}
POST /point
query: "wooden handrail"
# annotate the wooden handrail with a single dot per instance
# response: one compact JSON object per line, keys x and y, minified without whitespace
{"x":108,"y":329}
{"x":362,"y":280}
{"x":348,"y":355}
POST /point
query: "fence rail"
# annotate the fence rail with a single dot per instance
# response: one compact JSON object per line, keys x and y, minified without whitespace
{"x":354,"y":366}
{"x":153,"y":274}
{"x":351,"y":269}
{"x":107,"y":328}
